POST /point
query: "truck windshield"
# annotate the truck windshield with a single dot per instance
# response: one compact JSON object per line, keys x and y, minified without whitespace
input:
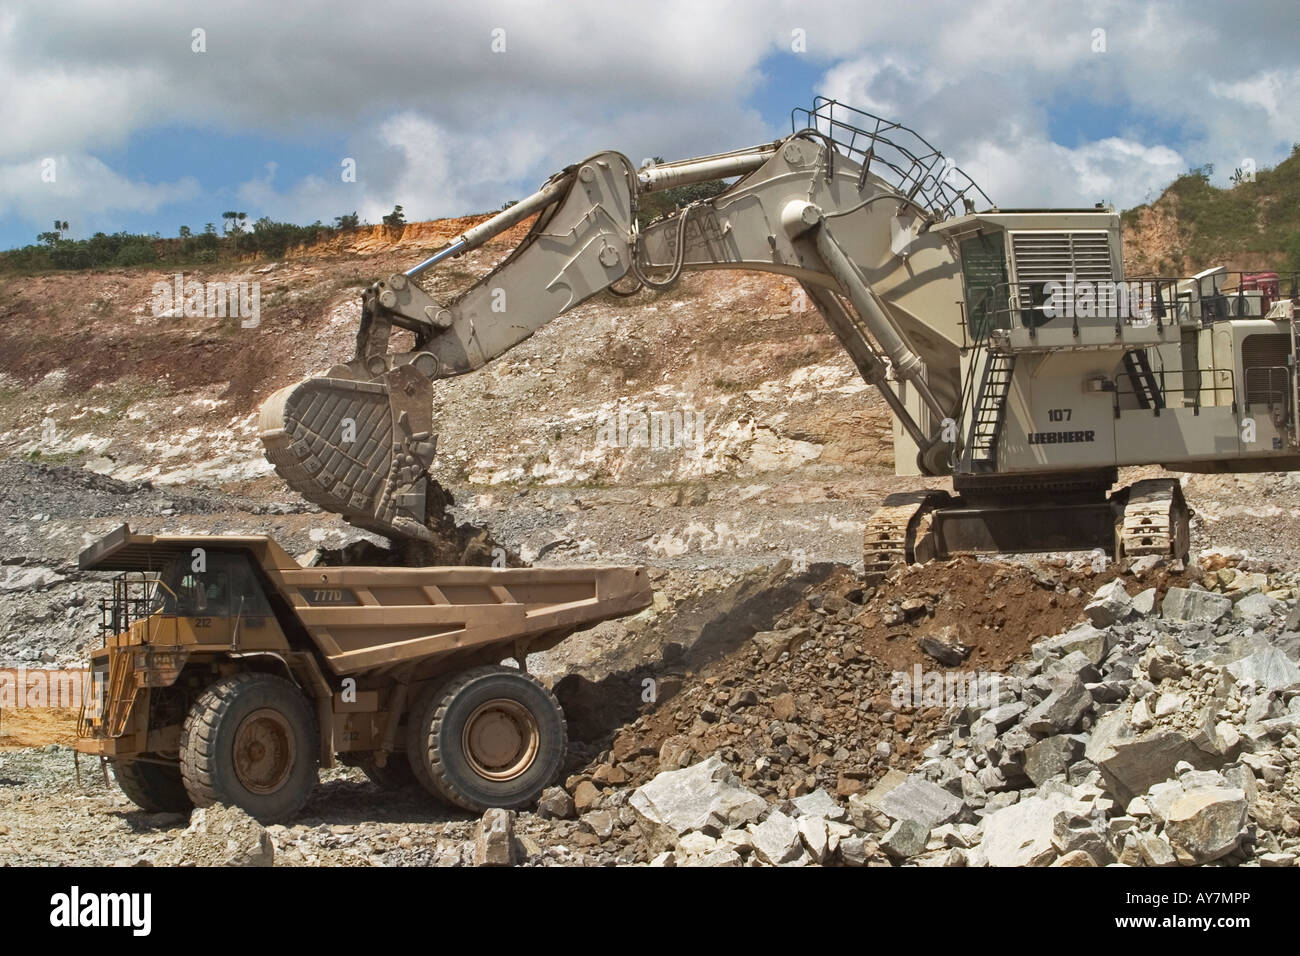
{"x":222,"y":587}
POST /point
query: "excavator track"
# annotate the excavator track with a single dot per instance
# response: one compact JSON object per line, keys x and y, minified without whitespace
{"x":889,"y":541}
{"x":1153,"y":519}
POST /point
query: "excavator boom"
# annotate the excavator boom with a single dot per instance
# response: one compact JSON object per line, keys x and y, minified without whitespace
{"x":1029,"y":396}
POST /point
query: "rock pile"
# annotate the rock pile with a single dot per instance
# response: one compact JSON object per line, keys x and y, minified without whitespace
{"x":1162,"y":731}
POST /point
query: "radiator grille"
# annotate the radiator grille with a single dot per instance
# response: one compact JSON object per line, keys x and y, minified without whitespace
{"x":1264,"y":359}
{"x":1042,"y":257}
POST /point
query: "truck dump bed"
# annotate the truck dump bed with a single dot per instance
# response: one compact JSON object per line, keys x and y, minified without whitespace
{"x":366,"y":618}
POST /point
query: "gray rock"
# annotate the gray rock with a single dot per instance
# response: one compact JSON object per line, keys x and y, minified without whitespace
{"x":1131,"y":761}
{"x":1156,"y":850}
{"x":1062,"y":709}
{"x":776,"y":840}
{"x":819,"y":803}
{"x":1074,"y":664}
{"x":1145,"y":564}
{"x":1021,"y":834}
{"x":494,"y":843}
{"x":815,"y":836}
{"x":1002,"y":716}
{"x":1073,"y":831}
{"x":1015,"y":742}
{"x":599,"y":822}
{"x":1184,"y":604}
{"x":915,"y":798}
{"x":853,"y":851}
{"x":1205,"y":823}
{"x":705,"y":796}
{"x":1051,"y":756}
{"x":987,"y":780}
{"x":1110,"y":605}
{"x":944,"y":648}
{"x":1266,"y":670}
{"x":222,"y":835}
{"x":867,"y":816}
{"x":905,"y":839}
{"x":1258,"y":610}
{"x":555,"y":804}
{"x":1092,"y":642}
{"x":1144,"y":602}
{"x":1108,"y":691}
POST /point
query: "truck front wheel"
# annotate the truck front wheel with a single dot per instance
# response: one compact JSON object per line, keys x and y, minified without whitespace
{"x":153,"y":786}
{"x":250,"y":740}
{"x":490,"y":737}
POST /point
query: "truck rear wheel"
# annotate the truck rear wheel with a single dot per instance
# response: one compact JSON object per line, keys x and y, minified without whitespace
{"x":250,"y":740}
{"x":490,"y":737}
{"x":155,"y":787}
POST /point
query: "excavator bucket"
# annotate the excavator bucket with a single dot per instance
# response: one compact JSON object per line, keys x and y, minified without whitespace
{"x":361,"y":449}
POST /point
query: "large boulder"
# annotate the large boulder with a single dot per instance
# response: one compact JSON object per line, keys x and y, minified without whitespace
{"x":1022,"y":834}
{"x":1205,"y":823}
{"x":1258,"y":610}
{"x":1132,"y":760}
{"x":1265,"y":670}
{"x":1062,"y":709}
{"x":1051,"y":756}
{"x":914,"y":798}
{"x":1186,"y":604}
{"x":1094,"y":643}
{"x":705,"y":796}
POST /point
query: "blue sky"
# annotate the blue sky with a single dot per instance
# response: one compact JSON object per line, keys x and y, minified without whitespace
{"x":1042,"y":103}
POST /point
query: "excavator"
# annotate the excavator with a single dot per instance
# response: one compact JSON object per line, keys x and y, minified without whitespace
{"x":1018,"y":360}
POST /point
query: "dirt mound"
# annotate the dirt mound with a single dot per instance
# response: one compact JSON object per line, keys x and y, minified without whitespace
{"x":997,"y":609}
{"x":813,"y":704}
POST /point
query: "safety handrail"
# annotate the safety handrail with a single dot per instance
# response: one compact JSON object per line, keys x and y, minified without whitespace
{"x":898,"y":155}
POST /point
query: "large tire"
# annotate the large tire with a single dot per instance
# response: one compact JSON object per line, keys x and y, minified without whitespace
{"x":251,"y":741}
{"x":155,"y":787}
{"x":490,"y":737}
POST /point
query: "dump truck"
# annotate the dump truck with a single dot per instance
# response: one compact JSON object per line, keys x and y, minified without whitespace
{"x":1022,"y":365}
{"x":229,"y":673}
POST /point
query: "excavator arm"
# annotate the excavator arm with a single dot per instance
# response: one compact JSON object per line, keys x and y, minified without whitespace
{"x":852,"y":229}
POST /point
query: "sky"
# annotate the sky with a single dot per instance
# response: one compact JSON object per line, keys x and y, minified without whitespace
{"x":146,"y":116}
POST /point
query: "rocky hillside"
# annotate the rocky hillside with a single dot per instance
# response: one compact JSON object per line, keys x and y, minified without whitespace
{"x":1252,"y":225}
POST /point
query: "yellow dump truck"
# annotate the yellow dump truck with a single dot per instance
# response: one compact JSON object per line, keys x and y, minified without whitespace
{"x":229,"y":673}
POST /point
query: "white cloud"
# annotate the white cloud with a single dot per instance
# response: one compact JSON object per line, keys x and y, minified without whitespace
{"x":442,"y":124}
{"x":83,"y":190}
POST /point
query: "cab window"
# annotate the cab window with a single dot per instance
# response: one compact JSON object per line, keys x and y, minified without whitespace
{"x":224,"y":588}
